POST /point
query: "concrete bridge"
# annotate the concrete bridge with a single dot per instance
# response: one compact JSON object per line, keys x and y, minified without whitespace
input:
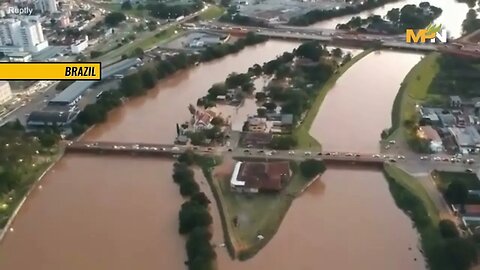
{"x":169,"y":150}
{"x":338,"y":38}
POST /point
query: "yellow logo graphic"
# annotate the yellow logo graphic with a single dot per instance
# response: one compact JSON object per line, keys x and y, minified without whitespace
{"x":431,"y":33}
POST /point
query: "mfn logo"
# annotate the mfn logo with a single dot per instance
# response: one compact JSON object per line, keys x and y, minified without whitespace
{"x":432,"y":34}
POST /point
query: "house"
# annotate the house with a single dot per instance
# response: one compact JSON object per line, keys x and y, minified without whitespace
{"x":202,"y":119}
{"x":447,"y":119}
{"x":429,"y":116}
{"x":455,"y":102}
{"x":467,"y":139}
{"x":429,"y":133}
{"x":254,"y":177}
{"x":279,"y":119}
{"x":256,"y":139}
{"x":257,"y":124}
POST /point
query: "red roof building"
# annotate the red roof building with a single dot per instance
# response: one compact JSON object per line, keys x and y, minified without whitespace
{"x":260,"y":176}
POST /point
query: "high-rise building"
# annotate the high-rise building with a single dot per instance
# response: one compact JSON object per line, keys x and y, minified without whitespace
{"x":5,"y":92}
{"x":44,"y":6}
{"x":22,"y":35}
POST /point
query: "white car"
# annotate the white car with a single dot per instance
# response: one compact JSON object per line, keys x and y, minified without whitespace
{"x":175,"y":148}
{"x":437,"y":158}
{"x":376,"y":156}
{"x":401,"y":157}
{"x":348,"y":154}
{"x":423,"y":158}
{"x":308,"y":153}
{"x":291,"y":153}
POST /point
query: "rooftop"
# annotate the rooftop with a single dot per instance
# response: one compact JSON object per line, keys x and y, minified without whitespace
{"x":267,"y":176}
{"x":76,"y":89}
{"x":466,"y":136}
{"x":429,"y":133}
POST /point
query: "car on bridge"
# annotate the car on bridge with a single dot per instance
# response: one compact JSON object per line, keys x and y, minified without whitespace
{"x":291,"y":152}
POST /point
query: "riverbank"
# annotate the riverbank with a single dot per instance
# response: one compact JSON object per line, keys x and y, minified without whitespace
{"x":302,"y":132}
{"x":247,"y":216}
{"x":413,"y":199}
{"x":42,"y":171}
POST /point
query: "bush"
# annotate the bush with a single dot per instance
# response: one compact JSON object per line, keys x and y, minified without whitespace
{"x":193,"y":215}
{"x":462,"y":252}
{"x":448,"y":229}
{"x":311,"y":167}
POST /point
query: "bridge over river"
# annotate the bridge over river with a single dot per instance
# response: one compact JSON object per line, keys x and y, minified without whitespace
{"x":170,"y":150}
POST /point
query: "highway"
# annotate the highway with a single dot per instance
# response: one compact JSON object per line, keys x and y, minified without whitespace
{"x":415,"y":165}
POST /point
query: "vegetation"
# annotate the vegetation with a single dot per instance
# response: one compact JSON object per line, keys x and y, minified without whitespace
{"x":320,"y":15}
{"x":448,"y":229}
{"x":413,"y":90}
{"x":167,"y":11}
{"x":23,"y":158}
{"x":114,"y":19}
{"x":397,"y":20}
{"x":311,"y":168}
{"x":211,"y":13}
{"x":471,"y":22}
{"x":442,"y":252}
{"x":194,"y":217}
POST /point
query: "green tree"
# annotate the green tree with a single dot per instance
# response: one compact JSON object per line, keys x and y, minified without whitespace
{"x":337,"y":52}
{"x":393,"y":15}
{"x":462,"y":252}
{"x":457,"y":193}
{"x":114,"y":19}
{"x":217,"y":121}
{"x":311,"y":167}
{"x":189,"y":187}
{"x":448,"y":229}
{"x":187,"y":157}
{"x":126,"y":5}
{"x":201,"y":199}
{"x":148,"y":78}
{"x":193,"y":215}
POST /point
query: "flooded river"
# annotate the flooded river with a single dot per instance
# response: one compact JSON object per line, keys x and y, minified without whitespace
{"x":121,"y":213}
{"x":452,"y":16}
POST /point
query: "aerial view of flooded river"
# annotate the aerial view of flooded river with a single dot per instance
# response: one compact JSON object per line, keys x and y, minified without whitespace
{"x":122,"y":213}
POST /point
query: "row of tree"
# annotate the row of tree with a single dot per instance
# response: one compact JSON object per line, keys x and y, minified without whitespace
{"x":398,"y":20}
{"x":194,"y":216}
{"x":168,"y":11}
{"x":145,"y":79}
{"x":320,"y":15}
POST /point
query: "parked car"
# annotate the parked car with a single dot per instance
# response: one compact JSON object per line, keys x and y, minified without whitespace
{"x":308,"y":153}
{"x":469,"y":170}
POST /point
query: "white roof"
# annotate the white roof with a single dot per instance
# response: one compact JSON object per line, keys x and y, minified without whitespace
{"x":233,"y":180}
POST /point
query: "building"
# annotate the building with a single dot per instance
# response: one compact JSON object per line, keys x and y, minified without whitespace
{"x":46,"y":6}
{"x":429,"y":116}
{"x":455,"y":102}
{"x":73,"y":93}
{"x":447,"y":119}
{"x":62,"y":19}
{"x":79,"y":46}
{"x":22,"y":35}
{"x":429,"y":133}
{"x":58,"y":116}
{"x":5,"y":92}
{"x":19,"y":57}
{"x":202,"y":119}
{"x":253,"y":177}
{"x":256,"y":139}
{"x":467,"y":139}
{"x":257,"y":124}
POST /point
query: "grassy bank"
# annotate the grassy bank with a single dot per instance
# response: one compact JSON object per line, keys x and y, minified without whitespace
{"x":413,"y":90}
{"x":259,"y":213}
{"x":302,"y":132}
{"x":212,"y":12}
{"x":410,"y":196}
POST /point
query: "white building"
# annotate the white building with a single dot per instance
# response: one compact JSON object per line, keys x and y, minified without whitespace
{"x":44,"y":6}
{"x":79,"y":46}
{"x":5,"y":92}
{"x":22,"y":35}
